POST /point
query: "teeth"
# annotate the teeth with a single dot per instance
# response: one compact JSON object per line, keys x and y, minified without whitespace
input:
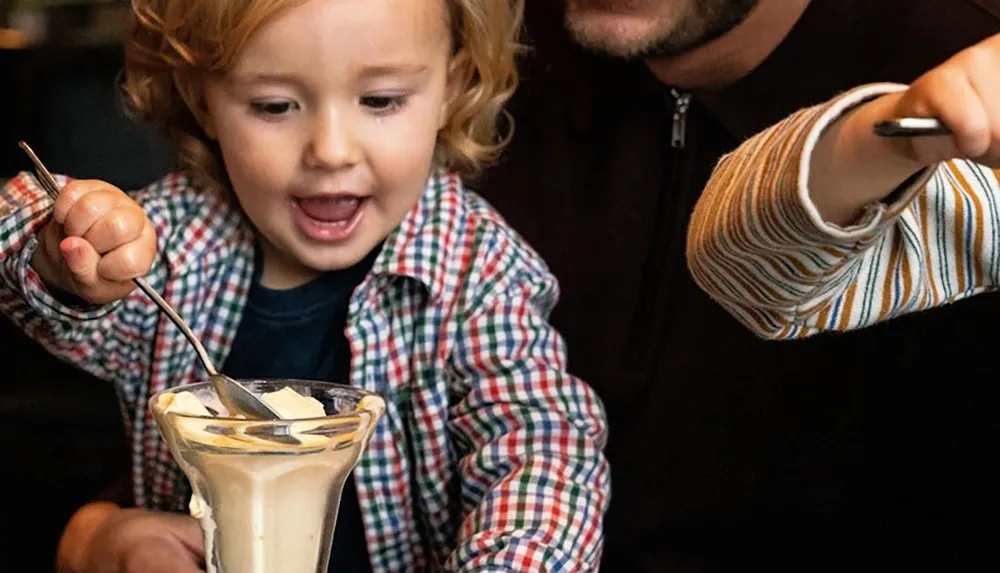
{"x":337,"y":200}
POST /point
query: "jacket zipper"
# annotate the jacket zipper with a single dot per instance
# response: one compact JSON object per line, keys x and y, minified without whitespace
{"x":659,"y":268}
{"x":678,"y":132}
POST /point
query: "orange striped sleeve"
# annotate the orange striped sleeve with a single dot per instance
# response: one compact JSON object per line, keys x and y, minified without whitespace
{"x":758,"y":246}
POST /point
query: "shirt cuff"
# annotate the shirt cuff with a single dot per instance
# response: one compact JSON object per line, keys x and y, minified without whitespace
{"x":25,"y":209}
{"x":43,"y":301}
{"x":877,"y":216}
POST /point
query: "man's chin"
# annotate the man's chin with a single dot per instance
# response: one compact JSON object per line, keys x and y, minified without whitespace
{"x":610,"y":33}
{"x":639,"y":29}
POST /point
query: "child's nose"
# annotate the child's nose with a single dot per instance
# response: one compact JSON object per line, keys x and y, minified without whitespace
{"x":332,"y":144}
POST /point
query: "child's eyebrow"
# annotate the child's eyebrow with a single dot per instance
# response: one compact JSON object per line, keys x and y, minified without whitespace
{"x":362,"y":72}
{"x":264,"y":78}
{"x":368,"y":72}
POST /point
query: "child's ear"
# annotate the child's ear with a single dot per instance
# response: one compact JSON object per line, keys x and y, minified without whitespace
{"x":193,"y":93}
{"x":459,"y":71}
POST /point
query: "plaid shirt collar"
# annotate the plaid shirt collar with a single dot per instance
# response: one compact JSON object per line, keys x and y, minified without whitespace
{"x":422,"y":230}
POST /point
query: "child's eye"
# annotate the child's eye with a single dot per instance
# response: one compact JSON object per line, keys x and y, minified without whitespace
{"x":273,"y":108}
{"x":383,"y":104}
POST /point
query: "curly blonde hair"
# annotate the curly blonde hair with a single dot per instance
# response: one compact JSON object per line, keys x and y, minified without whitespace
{"x":172,"y":43}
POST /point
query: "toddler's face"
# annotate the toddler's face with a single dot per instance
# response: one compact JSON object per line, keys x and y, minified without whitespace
{"x":328,"y":124}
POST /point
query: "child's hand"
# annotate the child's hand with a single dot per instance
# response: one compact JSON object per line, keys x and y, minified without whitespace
{"x":964,"y":93}
{"x":98,"y":240}
{"x":140,"y":541}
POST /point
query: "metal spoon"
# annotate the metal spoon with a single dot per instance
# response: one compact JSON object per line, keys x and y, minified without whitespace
{"x":911,"y":127}
{"x":233,"y":395}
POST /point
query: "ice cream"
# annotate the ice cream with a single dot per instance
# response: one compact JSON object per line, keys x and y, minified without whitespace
{"x":266,"y":503}
{"x":290,"y":404}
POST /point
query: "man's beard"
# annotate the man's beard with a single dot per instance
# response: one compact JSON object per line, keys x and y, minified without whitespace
{"x":717,"y":18}
{"x":705,"y":21}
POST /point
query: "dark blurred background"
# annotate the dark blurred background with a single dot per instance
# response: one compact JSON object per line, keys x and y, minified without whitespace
{"x":60,"y":430}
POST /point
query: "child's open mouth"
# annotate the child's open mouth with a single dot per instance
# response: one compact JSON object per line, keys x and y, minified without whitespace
{"x":328,"y":218}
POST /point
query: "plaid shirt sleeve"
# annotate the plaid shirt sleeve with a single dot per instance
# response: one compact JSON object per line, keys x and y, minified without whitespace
{"x":535,"y":483}
{"x":83,"y":336}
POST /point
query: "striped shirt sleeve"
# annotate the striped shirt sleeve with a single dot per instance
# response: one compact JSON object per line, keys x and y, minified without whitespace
{"x":758,"y":246}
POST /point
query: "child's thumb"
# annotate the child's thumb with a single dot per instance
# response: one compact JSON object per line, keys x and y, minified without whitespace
{"x":81,"y":260}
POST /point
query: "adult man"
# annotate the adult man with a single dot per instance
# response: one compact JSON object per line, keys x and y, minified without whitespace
{"x":727,"y":452}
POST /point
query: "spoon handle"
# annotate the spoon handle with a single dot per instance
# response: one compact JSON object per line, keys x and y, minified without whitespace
{"x":51,"y":186}
{"x":911,"y":127}
{"x":177,"y":320}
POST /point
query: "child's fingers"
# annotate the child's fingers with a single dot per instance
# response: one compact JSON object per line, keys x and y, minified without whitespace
{"x":125,"y":263}
{"x":119,"y":226}
{"x":72,"y":193}
{"x":99,"y":279}
{"x":89,"y":209}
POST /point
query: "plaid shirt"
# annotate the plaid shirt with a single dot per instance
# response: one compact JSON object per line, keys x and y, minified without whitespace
{"x":490,"y":455}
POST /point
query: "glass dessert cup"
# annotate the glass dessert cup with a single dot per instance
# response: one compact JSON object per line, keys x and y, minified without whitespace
{"x":266,"y":492}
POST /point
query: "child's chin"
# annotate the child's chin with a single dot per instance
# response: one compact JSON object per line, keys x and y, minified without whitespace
{"x":343,"y":258}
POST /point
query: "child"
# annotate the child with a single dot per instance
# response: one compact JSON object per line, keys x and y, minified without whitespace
{"x":318,"y":228}
{"x":818,"y":224}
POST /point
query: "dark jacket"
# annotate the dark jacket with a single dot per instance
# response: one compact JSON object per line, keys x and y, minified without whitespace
{"x":730,"y":453}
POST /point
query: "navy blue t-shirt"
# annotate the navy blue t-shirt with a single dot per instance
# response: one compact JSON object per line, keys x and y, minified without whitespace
{"x":299,"y":333}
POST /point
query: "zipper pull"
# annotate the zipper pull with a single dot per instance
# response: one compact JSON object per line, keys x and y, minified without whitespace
{"x":678,"y":133}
